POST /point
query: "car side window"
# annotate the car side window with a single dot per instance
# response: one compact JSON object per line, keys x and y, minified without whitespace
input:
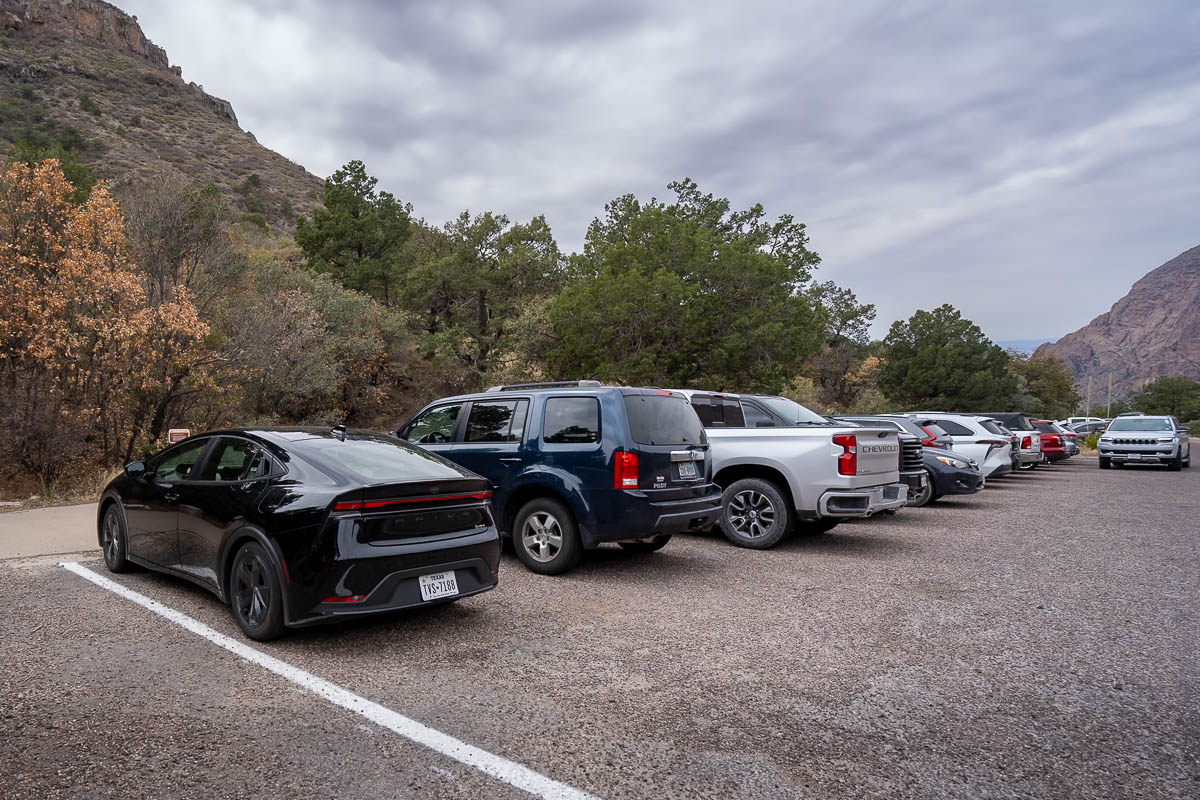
{"x":496,"y":421}
{"x":235,"y":461}
{"x":571,"y":420}
{"x":435,"y":426}
{"x":953,"y":428}
{"x":177,"y":464}
{"x":755,"y":417}
{"x":719,"y":412}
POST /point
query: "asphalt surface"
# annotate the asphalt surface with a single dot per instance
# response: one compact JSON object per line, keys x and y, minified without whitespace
{"x":1039,"y":639}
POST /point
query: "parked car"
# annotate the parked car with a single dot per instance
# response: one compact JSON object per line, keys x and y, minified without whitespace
{"x":991,"y":450}
{"x":1002,"y":429}
{"x":1084,"y":428}
{"x":946,"y":472}
{"x":1029,"y":438}
{"x":912,"y":460}
{"x":1145,"y":439}
{"x":1072,"y":421}
{"x":575,"y":464}
{"x":295,"y":526}
{"x":783,"y":467}
{"x":1053,"y":440}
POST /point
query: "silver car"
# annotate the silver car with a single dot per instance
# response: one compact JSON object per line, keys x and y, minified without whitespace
{"x":1145,"y":440}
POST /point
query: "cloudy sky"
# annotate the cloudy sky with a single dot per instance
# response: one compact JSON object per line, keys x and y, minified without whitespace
{"x":1025,"y":161}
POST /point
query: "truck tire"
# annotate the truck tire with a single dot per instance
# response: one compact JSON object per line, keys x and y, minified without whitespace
{"x":1105,"y":463}
{"x":755,"y":514}
{"x":1177,"y":464}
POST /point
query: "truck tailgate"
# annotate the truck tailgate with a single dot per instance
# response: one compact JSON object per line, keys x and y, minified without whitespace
{"x":878,"y":450}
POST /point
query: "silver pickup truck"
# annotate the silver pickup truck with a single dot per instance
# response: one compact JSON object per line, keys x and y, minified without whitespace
{"x":783,"y":467}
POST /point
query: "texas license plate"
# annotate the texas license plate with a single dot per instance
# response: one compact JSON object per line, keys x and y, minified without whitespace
{"x":687,"y":469}
{"x":439,"y":584}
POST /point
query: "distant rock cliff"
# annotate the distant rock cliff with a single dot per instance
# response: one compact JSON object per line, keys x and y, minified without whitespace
{"x":84,"y":70}
{"x":1152,"y":332}
{"x":101,"y":23}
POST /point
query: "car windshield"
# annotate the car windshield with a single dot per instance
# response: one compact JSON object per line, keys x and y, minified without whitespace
{"x":1141,"y":424}
{"x":793,"y":412}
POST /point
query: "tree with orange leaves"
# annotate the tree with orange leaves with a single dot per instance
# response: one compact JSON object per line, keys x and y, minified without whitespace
{"x":74,"y":322}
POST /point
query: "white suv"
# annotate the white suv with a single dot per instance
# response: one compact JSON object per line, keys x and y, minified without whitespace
{"x":991,"y":451}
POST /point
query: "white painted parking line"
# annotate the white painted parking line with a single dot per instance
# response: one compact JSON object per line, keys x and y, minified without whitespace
{"x":510,"y":772}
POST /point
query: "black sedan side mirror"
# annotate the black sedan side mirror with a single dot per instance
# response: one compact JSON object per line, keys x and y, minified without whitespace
{"x":135,"y":469}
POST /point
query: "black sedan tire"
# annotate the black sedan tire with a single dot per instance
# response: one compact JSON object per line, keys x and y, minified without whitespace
{"x":546,"y":537}
{"x":924,"y":495}
{"x":114,"y":541}
{"x":754,"y":514}
{"x":655,"y":543}
{"x":256,"y":594}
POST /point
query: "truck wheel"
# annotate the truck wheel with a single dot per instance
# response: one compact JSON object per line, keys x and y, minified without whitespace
{"x":655,"y":543}
{"x":1105,"y":463}
{"x":754,"y":514}
{"x":1177,"y":464}
{"x":546,"y":538}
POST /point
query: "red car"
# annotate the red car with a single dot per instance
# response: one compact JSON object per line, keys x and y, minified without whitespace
{"x":1054,"y":440}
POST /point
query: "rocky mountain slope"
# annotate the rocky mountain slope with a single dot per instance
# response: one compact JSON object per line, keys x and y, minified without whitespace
{"x":1152,"y":332}
{"x":81,"y":74}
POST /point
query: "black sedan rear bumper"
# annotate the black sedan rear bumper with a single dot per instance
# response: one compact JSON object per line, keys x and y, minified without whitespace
{"x":391,"y":580}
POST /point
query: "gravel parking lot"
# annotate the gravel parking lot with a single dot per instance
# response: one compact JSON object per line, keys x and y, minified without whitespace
{"x":1038,"y":639}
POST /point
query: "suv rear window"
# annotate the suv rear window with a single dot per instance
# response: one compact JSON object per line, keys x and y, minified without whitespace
{"x":571,"y":420}
{"x":991,"y":427}
{"x":1046,"y":427}
{"x":663,"y":419}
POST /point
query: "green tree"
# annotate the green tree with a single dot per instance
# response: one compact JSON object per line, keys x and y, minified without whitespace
{"x":469,"y":282}
{"x":687,"y":294}
{"x":1171,"y":395}
{"x":835,"y":367}
{"x":358,"y":234}
{"x":1046,"y":385}
{"x":938,"y":359}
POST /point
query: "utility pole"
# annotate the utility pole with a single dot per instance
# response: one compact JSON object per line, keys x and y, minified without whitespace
{"x":1087,"y":411}
{"x":1108,"y":408}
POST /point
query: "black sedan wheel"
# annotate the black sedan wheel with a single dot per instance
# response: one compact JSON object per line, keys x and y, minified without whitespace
{"x":255,"y":594}
{"x":113,"y":541}
{"x":923,"y":495}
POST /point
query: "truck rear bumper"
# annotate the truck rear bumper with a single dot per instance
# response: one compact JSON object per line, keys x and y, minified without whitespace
{"x":862,"y":502}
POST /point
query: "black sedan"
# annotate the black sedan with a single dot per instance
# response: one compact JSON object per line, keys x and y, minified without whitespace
{"x":295,"y":526}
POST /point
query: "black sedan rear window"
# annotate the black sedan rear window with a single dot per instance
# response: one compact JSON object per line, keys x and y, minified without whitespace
{"x":663,"y":419}
{"x":375,"y":460}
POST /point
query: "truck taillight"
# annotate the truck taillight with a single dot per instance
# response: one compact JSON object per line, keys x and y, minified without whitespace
{"x":848,"y":460}
{"x":625,"y":470}
{"x":1027,"y":443}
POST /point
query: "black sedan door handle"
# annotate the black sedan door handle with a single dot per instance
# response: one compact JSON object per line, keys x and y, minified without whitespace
{"x":510,"y":460}
{"x":171,"y":497}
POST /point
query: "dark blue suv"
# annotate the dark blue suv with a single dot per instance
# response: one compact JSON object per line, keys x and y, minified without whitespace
{"x":576,"y":464}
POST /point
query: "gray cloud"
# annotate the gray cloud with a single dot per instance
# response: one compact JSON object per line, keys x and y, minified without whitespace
{"x":939,"y":152}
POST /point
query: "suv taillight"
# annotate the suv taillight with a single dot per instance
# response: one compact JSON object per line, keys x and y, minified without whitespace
{"x":930,"y":440}
{"x":625,"y":470}
{"x":848,"y":460}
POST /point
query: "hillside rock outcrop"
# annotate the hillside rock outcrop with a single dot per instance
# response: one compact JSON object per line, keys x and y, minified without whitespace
{"x":84,"y":19}
{"x":1152,"y":332}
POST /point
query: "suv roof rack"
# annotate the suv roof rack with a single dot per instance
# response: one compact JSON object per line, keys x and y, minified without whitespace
{"x":510,"y":387}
